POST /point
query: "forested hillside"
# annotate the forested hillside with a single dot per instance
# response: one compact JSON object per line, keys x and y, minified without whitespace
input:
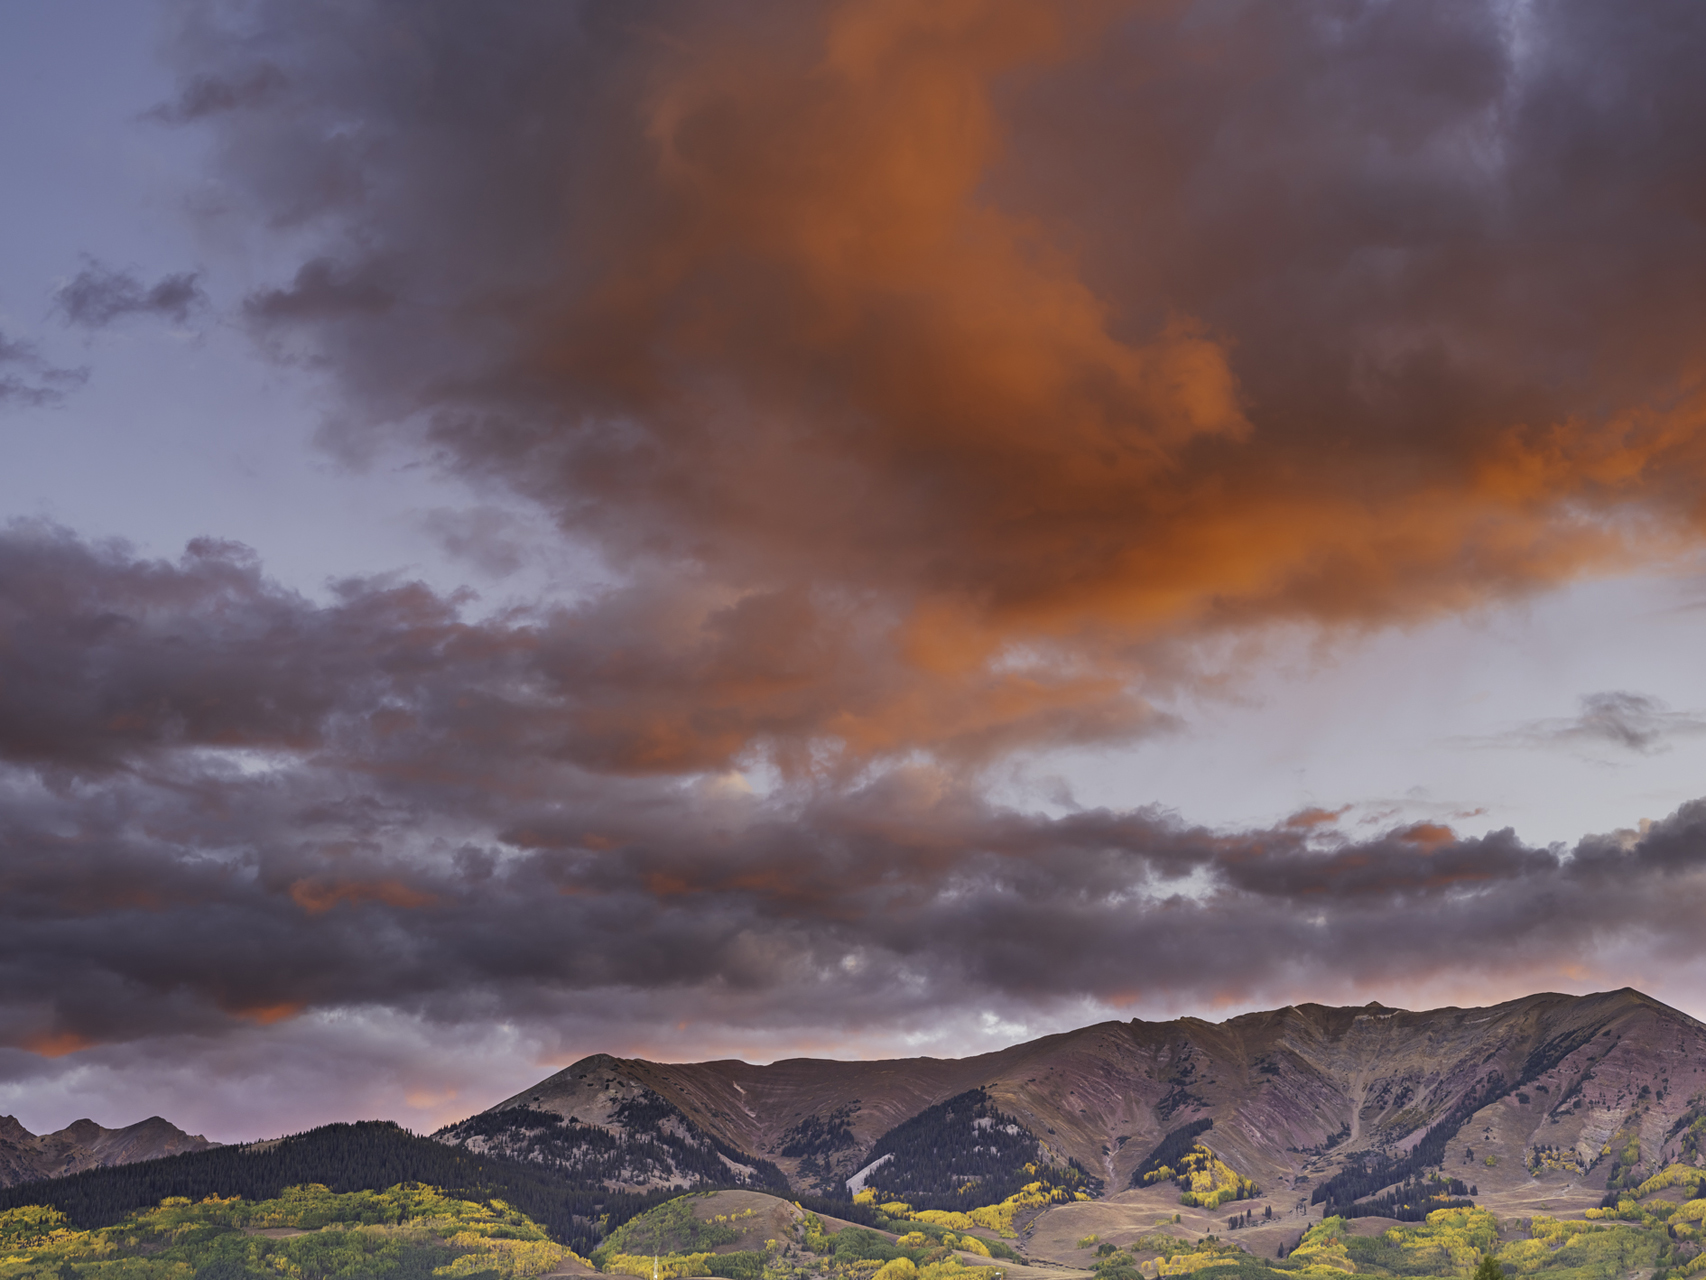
{"x":344,"y":1158}
{"x":408,"y":1232}
{"x":961,"y":1154}
{"x":647,"y":1143}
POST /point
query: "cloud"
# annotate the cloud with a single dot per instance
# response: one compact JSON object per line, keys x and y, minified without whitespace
{"x":491,"y":539}
{"x":1633,"y":721}
{"x":27,"y":379}
{"x":246,"y":811}
{"x":934,"y":382}
{"x":99,"y":295}
{"x":205,"y":95}
{"x":1053,"y":335}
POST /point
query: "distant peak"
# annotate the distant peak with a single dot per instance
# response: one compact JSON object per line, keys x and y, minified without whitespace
{"x":595,"y":1062}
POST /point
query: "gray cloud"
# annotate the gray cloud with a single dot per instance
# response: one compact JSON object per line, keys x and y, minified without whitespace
{"x":490,"y":538}
{"x":246,"y":809}
{"x":206,"y":95}
{"x":1633,"y":721}
{"x":1629,"y":720}
{"x":27,"y":379}
{"x":99,"y":295}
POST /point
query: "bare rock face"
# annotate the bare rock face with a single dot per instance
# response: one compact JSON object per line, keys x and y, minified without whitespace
{"x":1598,"y":1089}
{"x":83,"y":1144}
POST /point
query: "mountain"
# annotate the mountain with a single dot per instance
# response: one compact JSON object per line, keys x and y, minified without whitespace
{"x":25,"y":1157}
{"x":1324,"y":1104}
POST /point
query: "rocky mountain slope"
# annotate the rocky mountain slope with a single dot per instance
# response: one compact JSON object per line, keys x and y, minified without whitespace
{"x":1317,"y":1103}
{"x":25,"y":1156}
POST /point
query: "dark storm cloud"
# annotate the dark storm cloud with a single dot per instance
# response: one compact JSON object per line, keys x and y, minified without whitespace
{"x":373,"y":804}
{"x":27,"y":379}
{"x":98,"y":295}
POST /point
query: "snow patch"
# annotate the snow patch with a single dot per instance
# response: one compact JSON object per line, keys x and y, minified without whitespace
{"x":856,"y":1183}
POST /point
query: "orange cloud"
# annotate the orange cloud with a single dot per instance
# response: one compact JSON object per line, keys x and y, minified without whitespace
{"x":267,"y":1014}
{"x":1429,"y":835}
{"x":57,"y":1044}
{"x":937,"y":402}
{"x":940,"y":374}
{"x":1317,"y":817}
{"x":315,"y":896}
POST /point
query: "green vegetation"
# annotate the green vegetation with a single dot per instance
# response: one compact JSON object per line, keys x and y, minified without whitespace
{"x":1051,"y":1186}
{"x":672,"y":1227}
{"x":1204,"y":1178}
{"x":1170,"y":1150}
{"x":1458,"y":1242}
{"x":1640,"y":1235}
{"x":1175,"y":1257}
{"x":1412,"y":1201}
{"x":810,"y":1249}
{"x":370,"y":1156}
{"x":745,"y":1264}
{"x":409,"y":1232}
{"x":1208,"y":1181}
{"x":413,"y":1232}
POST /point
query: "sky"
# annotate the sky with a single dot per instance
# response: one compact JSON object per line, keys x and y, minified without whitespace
{"x":855,"y":529}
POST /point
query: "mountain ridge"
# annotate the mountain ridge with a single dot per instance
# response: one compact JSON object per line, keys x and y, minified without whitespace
{"x":1300,"y":1096}
{"x":83,"y":1144}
